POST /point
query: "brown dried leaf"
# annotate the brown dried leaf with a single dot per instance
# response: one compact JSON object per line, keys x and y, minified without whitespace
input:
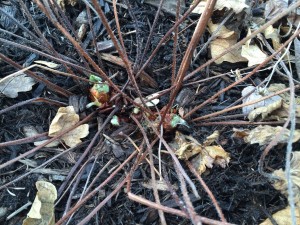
{"x":265,"y":111}
{"x":207,"y":155}
{"x":263,"y":135}
{"x":42,"y":209}
{"x":283,"y":217}
{"x":263,"y":108}
{"x":64,"y":119}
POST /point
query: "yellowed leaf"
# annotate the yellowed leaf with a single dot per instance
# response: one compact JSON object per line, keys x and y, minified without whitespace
{"x":236,"y":5}
{"x":64,"y":119}
{"x":207,"y":156}
{"x":273,"y":34}
{"x":263,"y":135}
{"x":42,"y":209}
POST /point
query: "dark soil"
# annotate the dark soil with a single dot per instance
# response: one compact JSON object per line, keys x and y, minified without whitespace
{"x":244,"y":195}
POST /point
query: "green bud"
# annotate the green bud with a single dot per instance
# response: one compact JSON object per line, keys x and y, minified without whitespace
{"x":95,"y":79}
{"x":101,"y":87}
{"x":176,"y":120}
{"x":115,"y":121}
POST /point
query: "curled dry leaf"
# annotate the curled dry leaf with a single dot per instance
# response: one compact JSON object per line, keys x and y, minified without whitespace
{"x":265,"y":111}
{"x":283,"y":217}
{"x":42,"y":209}
{"x":207,"y":156}
{"x":263,"y":135}
{"x":263,"y":108}
{"x":274,"y":108}
{"x":12,"y":84}
{"x":64,"y":119}
{"x":236,"y":5}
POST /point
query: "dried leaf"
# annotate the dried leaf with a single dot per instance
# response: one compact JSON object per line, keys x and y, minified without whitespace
{"x":223,"y":31}
{"x":263,"y":108}
{"x":281,"y":183}
{"x":265,"y":111}
{"x":42,"y":209}
{"x":273,"y":34}
{"x":279,"y":114}
{"x":11,"y":85}
{"x":49,"y":64}
{"x":219,"y":45}
{"x":225,"y":39}
{"x":64,"y":119}
{"x":263,"y":135}
{"x":30,"y":131}
{"x":207,"y":156}
{"x":236,"y":5}
{"x":283,"y":217}
{"x":253,"y":54}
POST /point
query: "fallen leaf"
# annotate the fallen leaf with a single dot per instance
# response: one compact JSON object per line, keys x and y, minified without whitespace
{"x":273,"y":34}
{"x":207,"y":156}
{"x":254,"y":55}
{"x":64,"y":119}
{"x":263,"y":108}
{"x":263,"y":135}
{"x":236,"y":5}
{"x":42,"y":209}
{"x":30,"y":131}
{"x":224,"y":39}
{"x":265,"y":111}
{"x":283,"y":217}
{"x":281,"y":183}
{"x":12,"y":84}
